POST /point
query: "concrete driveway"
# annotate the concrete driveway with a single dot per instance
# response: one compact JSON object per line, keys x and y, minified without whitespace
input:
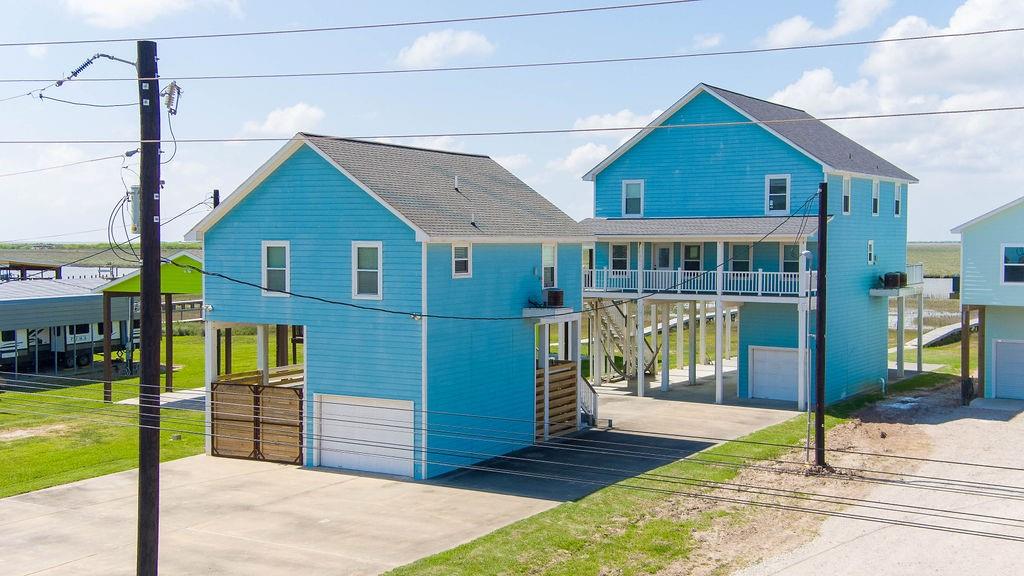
{"x":223,"y":516}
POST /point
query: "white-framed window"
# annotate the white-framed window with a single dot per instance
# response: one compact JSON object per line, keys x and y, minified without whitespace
{"x":871,"y":252}
{"x":874,"y":198}
{"x":619,"y":258}
{"x":632,"y":198}
{"x":776,"y":194}
{"x":790,"y":258}
{"x":847,"y":195}
{"x":549,"y":265}
{"x":367,"y":270}
{"x":898,"y":206}
{"x":741,"y":255}
{"x":462,"y":260}
{"x":276,"y":265}
{"x":1013,"y":263}
{"x":692,"y":257}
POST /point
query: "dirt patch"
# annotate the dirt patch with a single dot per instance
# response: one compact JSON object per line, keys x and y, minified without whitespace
{"x":22,"y":433}
{"x":740,"y":534}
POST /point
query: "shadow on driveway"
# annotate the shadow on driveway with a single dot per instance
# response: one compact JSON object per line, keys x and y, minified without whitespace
{"x":569,"y":468}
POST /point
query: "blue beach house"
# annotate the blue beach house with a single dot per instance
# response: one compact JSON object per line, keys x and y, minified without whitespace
{"x":422,"y":281}
{"x":710,"y":213}
{"x":992,"y":286}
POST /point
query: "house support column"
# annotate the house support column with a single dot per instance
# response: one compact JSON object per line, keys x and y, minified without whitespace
{"x":210,"y":374}
{"x":596,"y":349}
{"x":719,"y":382}
{"x":693,"y":342}
{"x":728,"y":331}
{"x":702,"y":320}
{"x":920,"y":332}
{"x":654,"y":338}
{"x":640,"y":363}
{"x":227,"y":350}
{"x":981,"y":352}
{"x":263,"y":352}
{"x":900,"y":335}
{"x":965,"y":342}
{"x":666,"y":355}
{"x":679,"y":335}
{"x":169,"y":343}
{"x":108,"y":371}
{"x":801,"y":355}
{"x":545,"y":362}
{"x":577,"y":332}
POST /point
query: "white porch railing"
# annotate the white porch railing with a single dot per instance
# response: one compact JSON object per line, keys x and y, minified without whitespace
{"x":757,"y":283}
{"x":915,"y":274}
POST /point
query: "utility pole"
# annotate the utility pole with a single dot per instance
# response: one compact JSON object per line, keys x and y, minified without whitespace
{"x":819,"y":341}
{"x":149,"y":295}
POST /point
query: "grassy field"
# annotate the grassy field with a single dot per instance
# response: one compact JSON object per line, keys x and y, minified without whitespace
{"x":939,"y":258}
{"x":62,"y":435}
{"x":63,"y":253}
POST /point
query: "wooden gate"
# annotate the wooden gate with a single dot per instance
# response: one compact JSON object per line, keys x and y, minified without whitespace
{"x":563,"y":404}
{"x":258,"y":421}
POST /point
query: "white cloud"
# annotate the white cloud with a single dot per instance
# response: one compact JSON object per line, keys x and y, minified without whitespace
{"x":37,"y":52}
{"x":851,"y":16}
{"x":948,"y":154}
{"x":513,"y":162}
{"x":286,"y":121}
{"x":128,"y":13}
{"x":624,"y":118}
{"x":581,"y":158}
{"x":436,"y":48}
{"x":705,"y":41}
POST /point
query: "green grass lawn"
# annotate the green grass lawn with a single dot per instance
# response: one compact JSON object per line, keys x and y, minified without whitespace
{"x":615,"y":530}
{"x":939,"y":258}
{"x":76,"y":436}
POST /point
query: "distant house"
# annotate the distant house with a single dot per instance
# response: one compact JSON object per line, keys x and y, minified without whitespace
{"x":713,"y":204}
{"x":419,"y":279}
{"x":992,"y":283}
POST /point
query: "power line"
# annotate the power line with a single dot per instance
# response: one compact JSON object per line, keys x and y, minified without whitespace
{"x":546,"y":64}
{"x":87,"y":104}
{"x":350,"y":27}
{"x":58,"y":166}
{"x":544,"y":131}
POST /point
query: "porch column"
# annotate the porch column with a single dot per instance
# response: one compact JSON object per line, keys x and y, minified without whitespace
{"x":965,"y":342}
{"x":596,"y":349}
{"x":227,"y":350}
{"x":640,"y":364}
{"x":728,"y":330}
{"x":719,"y":266}
{"x":210,"y":373}
{"x":702,"y":318}
{"x":545,"y":362}
{"x":577,"y":331}
{"x":981,"y":352}
{"x":263,"y":352}
{"x":920,"y":332}
{"x":719,"y":383}
{"x":679,"y":335}
{"x":801,"y":354}
{"x":281,"y":344}
{"x":666,"y":355}
{"x":654,"y":337}
{"x":900,"y":335}
{"x":693,"y":342}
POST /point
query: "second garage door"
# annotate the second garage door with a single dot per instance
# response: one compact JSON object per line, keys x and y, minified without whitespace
{"x":1009,"y":369}
{"x":366,"y":434}
{"x":773,"y":373}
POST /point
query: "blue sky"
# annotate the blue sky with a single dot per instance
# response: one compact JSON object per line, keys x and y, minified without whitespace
{"x":948,"y":155}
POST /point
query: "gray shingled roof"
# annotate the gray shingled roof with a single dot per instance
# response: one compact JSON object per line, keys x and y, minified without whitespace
{"x":420,"y":185}
{"x":817,"y":138}
{"x":48,"y":288}
{"x":726,"y":227}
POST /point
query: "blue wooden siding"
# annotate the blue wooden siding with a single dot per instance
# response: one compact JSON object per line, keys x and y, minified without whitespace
{"x":683,"y":168}
{"x":982,"y":257}
{"x":1001,"y":323}
{"x":320,"y":212}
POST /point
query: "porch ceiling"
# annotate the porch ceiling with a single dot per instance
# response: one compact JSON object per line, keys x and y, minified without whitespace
{"x":746,"y":227}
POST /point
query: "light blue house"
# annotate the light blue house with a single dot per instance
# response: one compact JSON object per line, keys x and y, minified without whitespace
{"x":419,"y":278}
{"x":713,"y":206}
{"x":992,"y":283}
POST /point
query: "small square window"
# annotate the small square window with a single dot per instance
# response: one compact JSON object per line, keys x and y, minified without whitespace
{"x":632,"y":197}
{"x":462,"y":265}
{"x":871,"y":252}
{"x":367,"y":271}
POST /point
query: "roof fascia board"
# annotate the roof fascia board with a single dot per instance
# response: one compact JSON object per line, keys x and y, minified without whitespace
{"x":867,"y":176}
{"x":512,"y":239}
{"x":699,"y":238}
{"x":959,"y":229}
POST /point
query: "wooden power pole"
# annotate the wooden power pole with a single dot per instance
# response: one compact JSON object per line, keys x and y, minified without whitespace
{"x":819,"y":339}
{"x":149,"y":381}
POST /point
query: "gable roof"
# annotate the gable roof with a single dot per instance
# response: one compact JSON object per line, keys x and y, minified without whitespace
{"x":804,"y":132}
{"x":48,"y":288}
{"x":418,"y":185}
{"x":1012,"y":204}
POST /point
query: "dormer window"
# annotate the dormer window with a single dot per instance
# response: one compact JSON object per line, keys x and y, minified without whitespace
{"x":632,"y":198}
{"x":776,"y":191}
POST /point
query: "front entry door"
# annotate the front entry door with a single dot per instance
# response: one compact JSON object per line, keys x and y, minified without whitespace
{"x":662,"y":256}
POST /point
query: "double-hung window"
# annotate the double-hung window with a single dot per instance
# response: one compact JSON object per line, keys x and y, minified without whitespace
{"x":898,"y":207}
{"x":632,"y":198}
{"x":549,"y":265}
{"x":790,"y":258}
{"x":874,"y":198}
{"x":847,"y":197}
{"x":691,"y":257}
{"x":1013,"y":263}
{"x":871,"y":252}
{"x":462,"y":260}
{"x":367,"y":270}
{"x":740,"y":258}
{"x":776,"y":190}
{"x":620,"y":259}
{"x":276,"y":272}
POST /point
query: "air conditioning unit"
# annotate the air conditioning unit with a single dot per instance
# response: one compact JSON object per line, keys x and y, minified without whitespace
{"x":554,"y":297}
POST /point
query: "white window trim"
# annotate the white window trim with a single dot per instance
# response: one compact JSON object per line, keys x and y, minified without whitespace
{"x":356,"y":244}
{"x":700,"y":255}
{"x":782,"y":256}
{"x":1002,"y":265}
{"x":750,"y":257}
{"x":767,"y":188}
{"x":555,"y":274}
{"x":871,"y":253}
{"x":287,"y":266}
{"x":643,"y":190}
{"x":469,"y":257}
{"x":897,"y":207}
{"x":847,"y":195}
{"x":876,"y":198}
{"x":611,"y":252}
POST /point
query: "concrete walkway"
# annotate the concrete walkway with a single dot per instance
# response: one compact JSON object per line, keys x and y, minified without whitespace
{"x":189,"y":399}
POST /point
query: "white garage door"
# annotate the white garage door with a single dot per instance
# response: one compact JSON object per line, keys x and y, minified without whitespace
{"x":367,"y":434}
{"x":1009,"y":369}
{"x":773,"y":373}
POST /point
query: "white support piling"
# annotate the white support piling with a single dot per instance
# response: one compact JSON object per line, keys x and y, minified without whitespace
{"x":693,"y":343}
{"x":666,"y":356}
{"x":679,"y":335}
{"x":719,"y":381}
{"x":900,"y":335}
{"x":596,"y":349}
{"x":263,"y":352}
{"x":920,"y":332}
{"x":728,"y":330}
{"x":545,"y":353}
{"x":702,"y":320}
{"x":210,"y":372}
{"x":640,"y":363}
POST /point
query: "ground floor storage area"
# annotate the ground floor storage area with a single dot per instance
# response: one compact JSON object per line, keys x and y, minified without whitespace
{"x":365,"y":434}
{"x":773,"y":373}
{"x":1008,"y":373}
